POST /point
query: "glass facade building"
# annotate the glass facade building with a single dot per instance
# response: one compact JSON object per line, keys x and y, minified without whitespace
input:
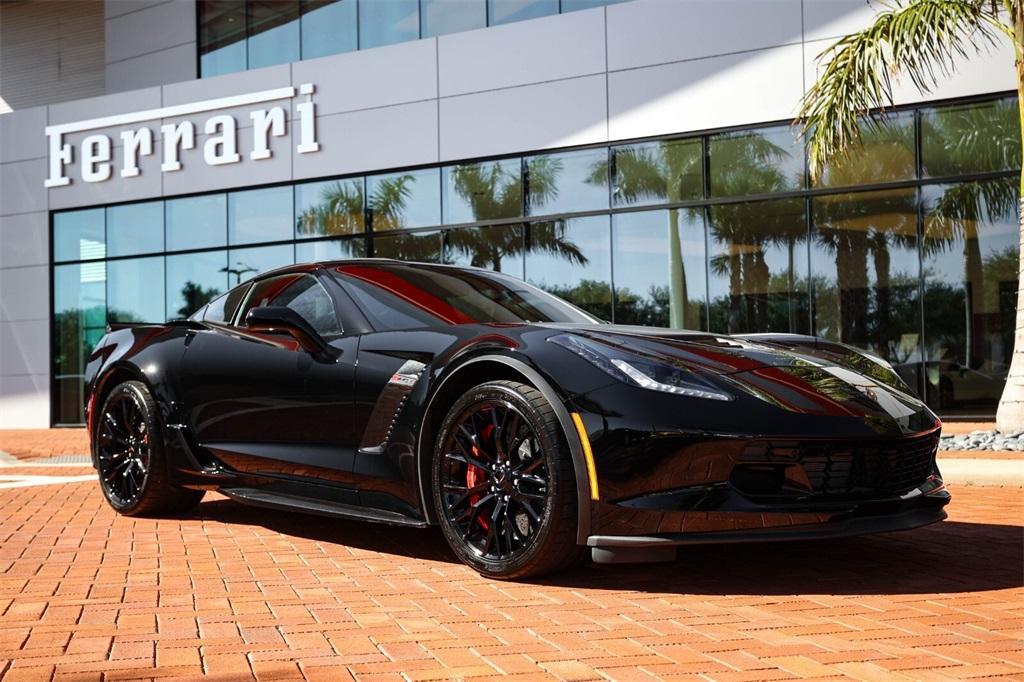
{"x":236,"y":35}
{"x":908,"y":248}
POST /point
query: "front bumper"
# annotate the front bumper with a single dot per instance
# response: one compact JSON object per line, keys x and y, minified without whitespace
{"x":920,"y":507}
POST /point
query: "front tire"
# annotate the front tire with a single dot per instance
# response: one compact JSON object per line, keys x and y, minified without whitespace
{"x":503,"y":483}
{"x":130,"y":457}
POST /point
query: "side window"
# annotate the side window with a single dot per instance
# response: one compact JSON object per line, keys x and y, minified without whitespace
{"x":302,"y":293}
{"x":222,"y":310}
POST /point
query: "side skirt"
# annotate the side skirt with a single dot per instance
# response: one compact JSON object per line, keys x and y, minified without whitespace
{"x":270,"y":500}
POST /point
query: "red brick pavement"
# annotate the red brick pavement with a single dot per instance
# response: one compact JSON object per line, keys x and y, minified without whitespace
{"x":234,"y":593}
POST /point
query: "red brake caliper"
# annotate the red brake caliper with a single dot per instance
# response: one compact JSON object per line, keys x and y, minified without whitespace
{"x":474,"y":477}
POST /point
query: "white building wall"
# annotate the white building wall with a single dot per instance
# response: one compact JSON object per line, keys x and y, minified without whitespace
{"x":636,"y":69}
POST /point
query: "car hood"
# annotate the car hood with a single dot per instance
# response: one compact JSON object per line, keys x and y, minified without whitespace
{"x":793,"y":372}
{"x":720,"y":354}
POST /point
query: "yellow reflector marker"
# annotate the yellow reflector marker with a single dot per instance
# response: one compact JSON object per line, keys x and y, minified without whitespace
{"x":588,"y":455}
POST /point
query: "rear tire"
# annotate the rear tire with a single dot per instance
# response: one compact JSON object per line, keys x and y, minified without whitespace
{"x":130,"y":458}
{"x":503,"y":483}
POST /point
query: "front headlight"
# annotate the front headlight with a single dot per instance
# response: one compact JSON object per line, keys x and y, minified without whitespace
{"x":646,"y":371}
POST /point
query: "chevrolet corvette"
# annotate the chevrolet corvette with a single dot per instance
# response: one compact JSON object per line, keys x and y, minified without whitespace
{"x":528,"y":430}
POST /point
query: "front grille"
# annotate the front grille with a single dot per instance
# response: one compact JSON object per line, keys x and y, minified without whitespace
{"x":836,"y":469}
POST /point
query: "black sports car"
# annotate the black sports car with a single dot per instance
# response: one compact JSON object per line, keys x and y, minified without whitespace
{"x":525,"y":428}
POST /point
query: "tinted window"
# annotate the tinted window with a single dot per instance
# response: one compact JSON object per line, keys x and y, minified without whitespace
{"x":330,"y":208}
{"x":572,"y":259}
{"x":448,"y":16}
{"x":223,"y":309}
{"x":221,"y":36}
{"x":328,"y":27}
{"x":970,"y":138}
{"x":384,"y":23}
{"x":401,"y":297}
{"x":135,"y":228}
{"x":196,"y":222}
{"x":755,"y":162}
{"x":561,"y":183}
{"x":260,"y":215}
{"x":659,"y":268}
{"x":498,"y":247}
{"x":78,"y":235}
{"x":757,"y":258}
{"x":482,"y":191}
{"x":310,"y":300}
{"x":400,"y":200}
{"x":866,"y":273}
{"x":135,"y":290}
{"x":970,"y":267}
{"x":656,"y":172}
{"x":193,"y":280}
{"x":884,"y":152}
{"x":273,"y":32}
{"x":506,"y":11}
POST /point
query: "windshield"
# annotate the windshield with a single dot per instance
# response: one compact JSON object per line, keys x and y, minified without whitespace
{"x":400,"y":296}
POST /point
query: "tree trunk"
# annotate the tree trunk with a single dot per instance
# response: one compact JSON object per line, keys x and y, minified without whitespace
{"x":1010,"y":415}
{"x":677,"y":294}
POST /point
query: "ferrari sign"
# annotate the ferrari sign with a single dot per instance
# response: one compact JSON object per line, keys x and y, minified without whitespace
{"x":179,"y":131}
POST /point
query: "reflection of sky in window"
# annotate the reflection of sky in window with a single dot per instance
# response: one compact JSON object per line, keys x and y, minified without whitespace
{"x":277,"y":44}
{"x":260,"y":259}
{"x":78,"y":235}
{"x":328,"y":29}
{"x":135,"y":290}
{"x":642,"y":251}
{"x":135,"y":228}
{"x":570,"y":173}
{"x":203,"y":269}
{"x":505,"y":11}
{"x":996,"y":234}
{"x":421,"y":207}
{"x":384,"y":23}
{"x":196,"y":222}
{"x":591,"y":236}
{"x":260,"y":215}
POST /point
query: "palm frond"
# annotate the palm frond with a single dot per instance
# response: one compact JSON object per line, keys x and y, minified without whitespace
{"x":920,"y":38}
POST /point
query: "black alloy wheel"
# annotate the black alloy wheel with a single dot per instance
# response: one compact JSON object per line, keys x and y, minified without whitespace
{"x":503,"y":483}
{"x":130,"y":458}
{"x":123,"y":449}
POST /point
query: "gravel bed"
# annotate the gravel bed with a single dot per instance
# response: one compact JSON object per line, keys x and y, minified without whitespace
{"x":984,"y":440}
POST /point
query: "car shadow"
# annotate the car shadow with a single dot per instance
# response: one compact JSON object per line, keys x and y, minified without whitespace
{"x":950,"y":557}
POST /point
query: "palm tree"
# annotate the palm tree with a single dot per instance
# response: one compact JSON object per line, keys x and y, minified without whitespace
{"x":924,"y":39}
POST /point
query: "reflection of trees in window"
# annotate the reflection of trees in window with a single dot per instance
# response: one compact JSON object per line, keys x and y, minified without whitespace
{"x":490,"y":190}
{"x":592,"y":295}
{"x":494,"y":191}
{"x":746,"y":164}
{"x":760,"y":162}
{"x":669,"y":171}
{"x":195,"y":297}
{"x":884,"y":152}
{"x":965,"y":216}
{"x":423,"y":247}
{"x":743,"y":235}
{"x":971,"y":138}
{"x":860,"y":232}
{"x":339,"y":211}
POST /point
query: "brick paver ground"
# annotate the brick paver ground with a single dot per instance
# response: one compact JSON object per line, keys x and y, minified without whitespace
{"x":234,"y":592}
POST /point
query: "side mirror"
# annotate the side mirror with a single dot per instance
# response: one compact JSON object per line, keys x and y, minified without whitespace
{"x":282,"y":320}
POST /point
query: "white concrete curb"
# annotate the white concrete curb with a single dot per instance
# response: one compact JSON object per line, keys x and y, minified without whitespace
{"x":984,"y":472}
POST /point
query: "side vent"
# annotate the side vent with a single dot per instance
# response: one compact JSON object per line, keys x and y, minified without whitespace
{"x":389,"y":406}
